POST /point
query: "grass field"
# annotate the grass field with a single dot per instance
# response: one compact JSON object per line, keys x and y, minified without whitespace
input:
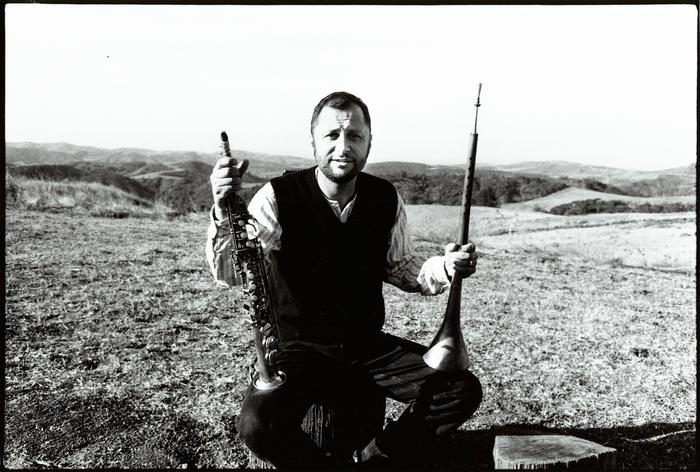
{"x":121,"y":351}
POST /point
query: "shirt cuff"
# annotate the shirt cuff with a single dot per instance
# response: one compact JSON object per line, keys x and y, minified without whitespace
{"x":439,"y":272}
{"x":218,"y":223}
{"x":433,"y":276}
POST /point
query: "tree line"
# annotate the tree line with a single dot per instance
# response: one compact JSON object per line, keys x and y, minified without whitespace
{"x":597,"y":205}
{"x":490,"y":188}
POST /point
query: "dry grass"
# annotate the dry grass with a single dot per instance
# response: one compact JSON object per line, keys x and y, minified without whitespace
{"x":661,"y":241}
{"x":79,"y":198}
{"x":122,"y":352}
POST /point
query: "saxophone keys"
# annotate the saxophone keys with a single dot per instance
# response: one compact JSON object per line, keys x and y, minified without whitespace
{"x":272,"y":356}
{"x":266,"y":329}
{"x":243,"y":235}
{"x":252,"y":286}
{"x":241,"y":223}
{"x":250,"y":244}
{"x":270,"y":342}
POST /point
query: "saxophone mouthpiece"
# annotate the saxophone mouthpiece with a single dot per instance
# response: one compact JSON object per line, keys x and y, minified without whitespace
{"x":224,"y":136}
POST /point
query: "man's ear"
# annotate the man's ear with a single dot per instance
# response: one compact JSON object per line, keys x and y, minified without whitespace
{"x":369,"y":146}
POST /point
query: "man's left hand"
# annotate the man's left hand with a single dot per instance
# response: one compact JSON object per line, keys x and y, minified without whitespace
{"x":460,"y":259}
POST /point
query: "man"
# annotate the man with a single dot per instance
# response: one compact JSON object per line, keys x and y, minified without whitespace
{"x":332,"y":235}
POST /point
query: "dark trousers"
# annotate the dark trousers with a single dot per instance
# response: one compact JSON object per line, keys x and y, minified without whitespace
{"x":438,"y":402}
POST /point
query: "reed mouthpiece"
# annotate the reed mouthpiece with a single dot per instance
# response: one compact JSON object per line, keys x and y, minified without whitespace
{"x":224,"y":136}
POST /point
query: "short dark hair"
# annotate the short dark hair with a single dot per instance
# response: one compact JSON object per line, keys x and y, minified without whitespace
{"x":341,"y":101}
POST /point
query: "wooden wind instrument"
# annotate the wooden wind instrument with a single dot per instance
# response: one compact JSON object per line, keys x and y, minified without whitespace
{"x":448,"y":351}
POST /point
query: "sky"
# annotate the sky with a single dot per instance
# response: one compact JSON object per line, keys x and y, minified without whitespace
{"x":602,"y":85}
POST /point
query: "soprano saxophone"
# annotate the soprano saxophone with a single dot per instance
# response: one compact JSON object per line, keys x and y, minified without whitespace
{"x":249,"y":263}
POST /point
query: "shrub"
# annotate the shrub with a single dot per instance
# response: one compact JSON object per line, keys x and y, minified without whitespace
{"x":597,"y":205}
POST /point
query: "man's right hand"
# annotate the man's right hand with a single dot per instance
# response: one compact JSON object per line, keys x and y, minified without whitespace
{"x":225,"y":179}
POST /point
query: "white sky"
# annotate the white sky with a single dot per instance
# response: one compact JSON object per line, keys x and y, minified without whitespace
{"x":602,"y":85}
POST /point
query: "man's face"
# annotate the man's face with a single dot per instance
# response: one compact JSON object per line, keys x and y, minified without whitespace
{"x":341,"y":142}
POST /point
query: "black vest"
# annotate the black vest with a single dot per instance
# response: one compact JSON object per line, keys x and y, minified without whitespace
{"x":326,"y":280}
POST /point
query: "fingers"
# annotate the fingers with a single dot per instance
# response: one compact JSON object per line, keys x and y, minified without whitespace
{"x":226,"y":177}
{"x":451,"y":390}
{"x":225,"y":162}
{"x":470,"y":247}
{"x":460,"y":256}
{"x":251,"y":230}
{"x":231,"y":165}
{"x":451,"y":247}
{"x":460,"y":259}
{"x":242,"y":167}
{"x":447,"y":407}
{"x":225,"y":172}
{"x":435,"y":420}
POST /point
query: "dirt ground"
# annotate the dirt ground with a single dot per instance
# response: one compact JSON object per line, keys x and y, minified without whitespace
{"x":121,"y":351}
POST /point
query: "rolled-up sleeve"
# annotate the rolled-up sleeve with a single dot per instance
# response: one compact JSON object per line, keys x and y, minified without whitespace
{"x":407,"y":271}
{"x":265,"y":226}
{"x":218,"y":252}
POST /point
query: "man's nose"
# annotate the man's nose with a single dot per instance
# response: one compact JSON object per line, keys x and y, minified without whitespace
{"x":342,"y":144}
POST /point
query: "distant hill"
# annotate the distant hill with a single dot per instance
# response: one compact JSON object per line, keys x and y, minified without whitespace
{"x":676,"y":181}
{"x":79,"y":197}
{"x":399,"y":168}
{"x":444,"y":184}
{"x":571,"y":194}
{"x":265,"y":165}
{"x":181,"y":178}
{"x":176,"y":178}
{"x":666,"y":184}
{"x":584,"y":171}
{"x":104,"y":176}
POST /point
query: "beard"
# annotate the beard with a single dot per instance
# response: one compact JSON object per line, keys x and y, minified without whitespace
{"x":341,"y":176}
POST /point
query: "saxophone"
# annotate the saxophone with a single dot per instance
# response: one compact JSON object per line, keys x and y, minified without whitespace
{"x":249,"y":263}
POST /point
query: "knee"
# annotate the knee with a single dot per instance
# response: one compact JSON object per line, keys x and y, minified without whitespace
{"x":258,"y":430}
{"x":472,"y":393}
{"x":467,"y":388}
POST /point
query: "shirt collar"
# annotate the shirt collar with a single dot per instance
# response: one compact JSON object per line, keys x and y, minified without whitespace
{"x":343,"y":214}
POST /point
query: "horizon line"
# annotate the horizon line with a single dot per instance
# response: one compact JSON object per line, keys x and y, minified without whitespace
{"x":515,"y":163}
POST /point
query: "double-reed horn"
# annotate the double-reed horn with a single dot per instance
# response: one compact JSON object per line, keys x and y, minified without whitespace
{"x":447,"y":351}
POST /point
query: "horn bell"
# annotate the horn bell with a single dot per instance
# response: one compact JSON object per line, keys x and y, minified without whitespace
{"x":448,"y":351}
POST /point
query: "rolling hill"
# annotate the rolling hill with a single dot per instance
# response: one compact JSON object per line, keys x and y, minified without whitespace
{"x":181,"y":178}
{"x":572,"y":194}
{"x":676,"y":181}
{"x":585,"y":171}
{"x":266,"y":165}
{"x":104,"y":176}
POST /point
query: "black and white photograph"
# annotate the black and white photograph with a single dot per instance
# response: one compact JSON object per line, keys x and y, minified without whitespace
{"x":350,"y":237}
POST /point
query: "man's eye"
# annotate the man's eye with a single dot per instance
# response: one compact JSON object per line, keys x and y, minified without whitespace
{"x":332,"y":135}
